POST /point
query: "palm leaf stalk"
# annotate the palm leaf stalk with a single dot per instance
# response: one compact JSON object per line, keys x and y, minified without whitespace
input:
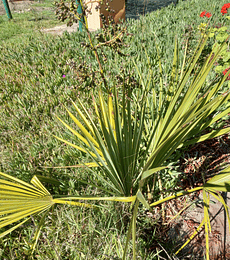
{"x":131,"y":138}
{"x":19,"y":200}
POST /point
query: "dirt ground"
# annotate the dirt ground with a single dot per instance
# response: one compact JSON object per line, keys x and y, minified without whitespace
{"x":19,"y":7}
{"x":26,"y":6}
{"x":207,"y":159}
{"x":60,"y":29}
{"x":184,"y":226}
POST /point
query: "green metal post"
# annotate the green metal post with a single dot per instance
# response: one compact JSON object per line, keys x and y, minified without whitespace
{"x":5,"y":3}
{"x":79,"y":10}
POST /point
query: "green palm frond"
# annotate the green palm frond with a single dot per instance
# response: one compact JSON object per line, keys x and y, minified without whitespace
{"x":19,"y":200}
{"x":178,"y":122}
{"x":114,"y":142}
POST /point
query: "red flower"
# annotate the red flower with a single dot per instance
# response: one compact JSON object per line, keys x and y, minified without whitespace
{"x":203,"y":13}
{"x":226,"y":70}
{"x":224,"y":8}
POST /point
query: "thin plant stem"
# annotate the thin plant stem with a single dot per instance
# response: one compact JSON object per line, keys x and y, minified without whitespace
{"x":94,"y":48}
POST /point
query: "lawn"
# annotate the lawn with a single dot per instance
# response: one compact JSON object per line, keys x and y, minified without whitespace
{"x":29,"y":18}
{"x":40,"y":75}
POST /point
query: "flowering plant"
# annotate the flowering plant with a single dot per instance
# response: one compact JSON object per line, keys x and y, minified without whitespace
{"x":225,"y":71}
{"x":205,"y":14}
{"x":220,"y":35}
{"x":225,"y":8}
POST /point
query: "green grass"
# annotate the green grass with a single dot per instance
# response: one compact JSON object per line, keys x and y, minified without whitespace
{"x":33,"y":91}
{"x":25,"y":24}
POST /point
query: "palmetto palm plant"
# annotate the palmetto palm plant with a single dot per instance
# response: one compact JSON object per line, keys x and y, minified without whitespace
{"x":130,"y":138}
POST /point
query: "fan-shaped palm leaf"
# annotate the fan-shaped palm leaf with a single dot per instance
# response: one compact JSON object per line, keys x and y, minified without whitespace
{"x":19,"y":200}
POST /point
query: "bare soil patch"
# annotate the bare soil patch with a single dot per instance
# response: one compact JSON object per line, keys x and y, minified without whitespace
{"x":21,"y":7}
{"x":60,"y":29}
{"x":184,"y":215}
{"x":26,"y":6}
{"x":208,"y":159}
